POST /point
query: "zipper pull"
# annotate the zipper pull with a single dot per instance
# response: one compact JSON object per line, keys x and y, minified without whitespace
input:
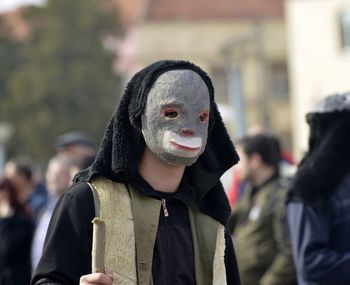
{"x":165,"y":210}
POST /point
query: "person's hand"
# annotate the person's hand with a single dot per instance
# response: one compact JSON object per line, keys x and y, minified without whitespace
{"x":97,"y":279}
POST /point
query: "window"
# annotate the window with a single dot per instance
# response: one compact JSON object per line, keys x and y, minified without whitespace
{"x":345,"y":28}
{"x":219,"y":78}
{"x":279,"y":81}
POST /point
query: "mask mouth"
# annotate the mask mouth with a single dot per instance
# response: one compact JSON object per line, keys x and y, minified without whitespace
{"x":185,"y":148}
{"x":186,"y":143}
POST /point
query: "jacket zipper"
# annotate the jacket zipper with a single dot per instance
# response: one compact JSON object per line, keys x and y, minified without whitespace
{"x":165,"y":210}
{"x":166,"y":215}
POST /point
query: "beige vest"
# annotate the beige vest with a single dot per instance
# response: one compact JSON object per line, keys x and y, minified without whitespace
{"x":131,"y":226}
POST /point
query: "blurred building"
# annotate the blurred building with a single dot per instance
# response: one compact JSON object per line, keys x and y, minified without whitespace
{"x":241,"y":44}
{"x":319,"y":57}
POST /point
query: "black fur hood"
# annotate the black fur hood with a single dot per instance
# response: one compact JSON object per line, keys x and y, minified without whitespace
{"x":327,"y":163}
{"x":123,"y":144}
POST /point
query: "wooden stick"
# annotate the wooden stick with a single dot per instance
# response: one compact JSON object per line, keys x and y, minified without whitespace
{"x":98,"y":245}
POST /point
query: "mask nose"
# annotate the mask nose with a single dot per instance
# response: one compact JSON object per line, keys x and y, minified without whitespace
{"x":187,"y":132}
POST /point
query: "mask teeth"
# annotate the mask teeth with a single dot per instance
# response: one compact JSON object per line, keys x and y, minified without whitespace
{"x":189,"y":142}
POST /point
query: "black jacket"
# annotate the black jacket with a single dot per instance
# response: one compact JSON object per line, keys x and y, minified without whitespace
{"x":320,"y":235}
{"x":15,"y":242}
{"x":173,"y":254}
{"x":319,"y":200}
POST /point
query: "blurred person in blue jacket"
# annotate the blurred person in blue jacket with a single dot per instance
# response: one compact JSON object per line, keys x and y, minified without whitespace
{"x":58,"y":179}
{"x":16,"y":230}
{"x":319,"y":199}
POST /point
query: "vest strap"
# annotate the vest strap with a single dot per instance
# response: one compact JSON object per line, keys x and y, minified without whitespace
{"x":209,"y":248}
{"x":146,"y":217}
{"x":114,"y":203}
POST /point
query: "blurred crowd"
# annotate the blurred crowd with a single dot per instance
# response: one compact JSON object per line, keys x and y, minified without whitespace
{"x":290,"y":223}
{"x":27,"y":201}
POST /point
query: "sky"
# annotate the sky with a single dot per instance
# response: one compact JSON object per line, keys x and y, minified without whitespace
{"x":8,"y":5}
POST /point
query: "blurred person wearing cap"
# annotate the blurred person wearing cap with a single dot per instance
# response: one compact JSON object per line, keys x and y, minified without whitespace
{"x":75,"y":144}
{"x":319,"y":199}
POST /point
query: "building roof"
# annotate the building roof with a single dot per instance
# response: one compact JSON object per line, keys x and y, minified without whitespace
{"x":209,"y":9}
{"x":130,"y":11}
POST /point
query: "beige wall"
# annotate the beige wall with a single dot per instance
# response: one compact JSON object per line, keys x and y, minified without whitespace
{"x":199,"y":42}
{"x":318,"y":66}
{"x":202,"y":42}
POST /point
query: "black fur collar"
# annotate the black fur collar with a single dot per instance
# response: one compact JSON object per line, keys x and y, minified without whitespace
{"x":323,"y":169}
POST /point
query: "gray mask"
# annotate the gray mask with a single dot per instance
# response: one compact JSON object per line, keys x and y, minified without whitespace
{"x":176,"y":116}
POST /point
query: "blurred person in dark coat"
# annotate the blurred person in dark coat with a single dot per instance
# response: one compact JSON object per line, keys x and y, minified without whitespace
{"x":258,"y":221}
{"x":15,"y":237}
{"x":319,"y":199}
{"x":79,"y":147}
{"x":20,"y":172}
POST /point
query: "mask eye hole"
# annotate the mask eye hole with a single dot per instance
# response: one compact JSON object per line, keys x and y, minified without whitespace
{"x":170,"y":113}
{"x":204,"y":116}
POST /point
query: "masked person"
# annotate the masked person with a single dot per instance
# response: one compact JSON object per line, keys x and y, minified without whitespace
{"x":155,"y":183}
{"x":319,"y":199}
